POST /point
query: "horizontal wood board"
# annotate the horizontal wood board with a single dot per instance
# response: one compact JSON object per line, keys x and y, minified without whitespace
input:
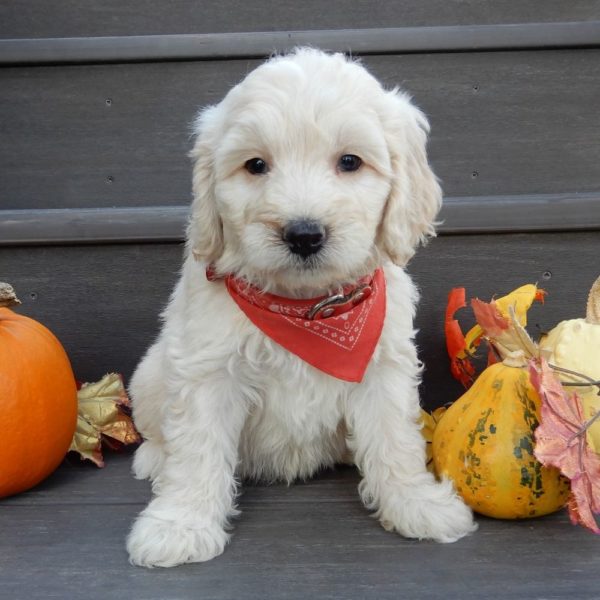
{"x":99,"y":136}
{"x":260,"y":44}
{"x":472,"y":214}
{"x":72,"y":18}
{"x":308,"y":540}
{"x":103,"y":302}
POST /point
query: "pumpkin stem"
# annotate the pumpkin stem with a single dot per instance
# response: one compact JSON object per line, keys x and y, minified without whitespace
{"x":593,"y":304}
{"x":8,"y":297}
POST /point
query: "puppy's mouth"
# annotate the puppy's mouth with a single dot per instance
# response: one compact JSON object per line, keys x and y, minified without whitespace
{"x":314,"y":262}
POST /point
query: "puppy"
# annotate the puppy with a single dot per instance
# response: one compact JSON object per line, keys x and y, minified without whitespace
{"x":287,"y":344}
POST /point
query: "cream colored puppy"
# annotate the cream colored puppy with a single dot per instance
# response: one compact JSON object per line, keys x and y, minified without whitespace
{"x":308,"y":178}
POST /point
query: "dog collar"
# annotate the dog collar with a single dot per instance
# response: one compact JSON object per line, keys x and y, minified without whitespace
{"x":337,"y":334}
{"x":322,"y":307}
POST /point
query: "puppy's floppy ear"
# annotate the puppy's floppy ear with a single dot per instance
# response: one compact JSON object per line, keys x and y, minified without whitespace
{"x":415,"y":197}
{"x":205,"y":229}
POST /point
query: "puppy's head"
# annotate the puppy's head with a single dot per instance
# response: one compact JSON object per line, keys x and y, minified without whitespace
{"x":308,"y":173}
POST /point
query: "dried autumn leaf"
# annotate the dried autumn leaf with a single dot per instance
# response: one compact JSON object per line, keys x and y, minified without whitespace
{"x":87,"y":442}
{"x":490,"y":320}
{"x":103,"y":417}
{"x":504,"y":332}
{"x":519,"y":300}
{"x":503,"y":320}
{"x":561,"y":442}
{"x":430,"y":421}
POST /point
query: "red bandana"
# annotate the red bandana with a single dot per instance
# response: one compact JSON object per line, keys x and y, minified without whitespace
{"x":335,"y":334}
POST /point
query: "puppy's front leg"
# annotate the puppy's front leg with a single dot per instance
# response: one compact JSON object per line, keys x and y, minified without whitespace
{"x":195,"y":490}
{"x":389,"y":450}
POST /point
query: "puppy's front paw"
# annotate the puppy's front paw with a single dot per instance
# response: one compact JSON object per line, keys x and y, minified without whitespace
{"x":436,"y":513}
{"x":155,"y":542}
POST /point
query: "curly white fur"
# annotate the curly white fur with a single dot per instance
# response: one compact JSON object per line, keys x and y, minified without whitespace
{"x":214,"y":398}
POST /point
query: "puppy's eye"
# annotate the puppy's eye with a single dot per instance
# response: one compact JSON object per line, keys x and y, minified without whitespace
{"x":349,"y":162}
{"x":256,"y":166}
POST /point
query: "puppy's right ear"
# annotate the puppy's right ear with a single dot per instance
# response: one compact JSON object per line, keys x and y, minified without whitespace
{"x":205,"y":229}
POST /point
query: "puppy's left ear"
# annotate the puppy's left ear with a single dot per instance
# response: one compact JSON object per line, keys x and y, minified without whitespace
{"x":415,"y":197}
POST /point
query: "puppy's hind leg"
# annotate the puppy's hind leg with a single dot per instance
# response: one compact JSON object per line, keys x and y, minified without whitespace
{"x":148,"y":394}
{"x":390,"y":452}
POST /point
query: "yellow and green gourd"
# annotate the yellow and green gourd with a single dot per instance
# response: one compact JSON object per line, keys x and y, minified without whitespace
{"x":484,"y":442}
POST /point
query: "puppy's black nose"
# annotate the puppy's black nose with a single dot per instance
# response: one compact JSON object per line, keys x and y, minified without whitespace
{"x":304,"y":237}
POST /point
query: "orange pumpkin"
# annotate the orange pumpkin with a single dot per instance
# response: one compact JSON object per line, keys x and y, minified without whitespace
{"x":38,"y":400}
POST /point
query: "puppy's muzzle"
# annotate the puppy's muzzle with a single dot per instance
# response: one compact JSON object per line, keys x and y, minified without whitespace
{"x":304,"y":237}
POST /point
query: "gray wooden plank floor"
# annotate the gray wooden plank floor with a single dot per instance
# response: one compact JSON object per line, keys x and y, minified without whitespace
{"x":65,"y":539}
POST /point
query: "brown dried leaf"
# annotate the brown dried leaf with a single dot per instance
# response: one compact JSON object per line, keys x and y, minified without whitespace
{"x":87,"y":442}
{"x":103,"y":418}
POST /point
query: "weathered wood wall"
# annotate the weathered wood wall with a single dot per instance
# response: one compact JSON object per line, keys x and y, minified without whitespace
{"x":73,"y":18}
{"x":101,"y":125}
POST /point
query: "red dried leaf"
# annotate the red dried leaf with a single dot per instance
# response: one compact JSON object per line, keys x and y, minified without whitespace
{"x":489,"y":317}
{"x":561,"y":442}
{"x":503,"y":328}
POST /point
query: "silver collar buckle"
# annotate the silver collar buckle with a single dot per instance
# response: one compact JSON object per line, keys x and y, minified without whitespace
{"x":331,"y":305}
